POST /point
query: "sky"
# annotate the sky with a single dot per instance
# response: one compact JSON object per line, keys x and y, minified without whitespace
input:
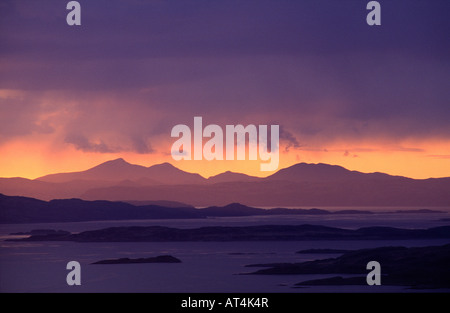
{"x":369,"y":98}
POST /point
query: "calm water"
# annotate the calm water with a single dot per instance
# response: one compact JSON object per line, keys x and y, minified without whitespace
{"x":205,"y":267}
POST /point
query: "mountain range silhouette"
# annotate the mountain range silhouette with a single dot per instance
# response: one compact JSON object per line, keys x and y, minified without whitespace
{"x":301,"y":184}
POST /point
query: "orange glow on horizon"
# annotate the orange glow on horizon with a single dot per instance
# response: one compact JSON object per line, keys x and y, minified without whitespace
{"x":32,"y":159}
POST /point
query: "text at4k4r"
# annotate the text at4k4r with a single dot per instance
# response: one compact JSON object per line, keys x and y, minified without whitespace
{"x":247,"y":302}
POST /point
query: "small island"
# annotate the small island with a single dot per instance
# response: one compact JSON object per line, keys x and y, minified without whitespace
{"x":158,"y":259}
{"x":322,"y":251}
{"x":42,"y":232}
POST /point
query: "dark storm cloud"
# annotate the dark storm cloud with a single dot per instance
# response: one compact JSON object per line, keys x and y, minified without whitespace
{"x":288,"y":140}
{"x":133,"y":29}
{"x":316,"y":65}
{"x":81,"y":142}
{"x":139,"y":145}
{"x":21,"y":115}
{"x":117,"y":37}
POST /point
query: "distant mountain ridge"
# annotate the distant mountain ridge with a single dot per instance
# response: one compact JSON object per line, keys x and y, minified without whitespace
{"x":165,"y":173}
{"x":298,"y":185}
{"x":323,"y":172}
{"x":228,"y":176}
{"x":120,"y":170}
{"x":15,"y":209}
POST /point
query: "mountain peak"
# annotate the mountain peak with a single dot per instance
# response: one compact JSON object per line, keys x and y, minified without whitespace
{"x":114,"y":166}
{"x":165,"y":165}
{"x":230,"y":176}
{"x":167,"y":173}
{"x":119,"y":170}
{"x":316,"y":165}
{"x":314,"y":172}
{"x":119,"y":161}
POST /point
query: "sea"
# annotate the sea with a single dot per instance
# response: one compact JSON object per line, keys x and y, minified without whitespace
{"x":206,"y":267}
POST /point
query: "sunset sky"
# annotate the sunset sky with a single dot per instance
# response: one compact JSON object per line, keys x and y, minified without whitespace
{"x":366,"y":98}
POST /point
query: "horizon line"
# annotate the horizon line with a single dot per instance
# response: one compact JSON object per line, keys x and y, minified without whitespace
{"x":228,"y":171}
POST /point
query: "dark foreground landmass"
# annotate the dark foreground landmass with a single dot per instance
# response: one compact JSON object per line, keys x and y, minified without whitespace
{"x":423,"y":267}
{"x":245,"y":233}
{"x":158,"y":259}
{"x":15,"y":209}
